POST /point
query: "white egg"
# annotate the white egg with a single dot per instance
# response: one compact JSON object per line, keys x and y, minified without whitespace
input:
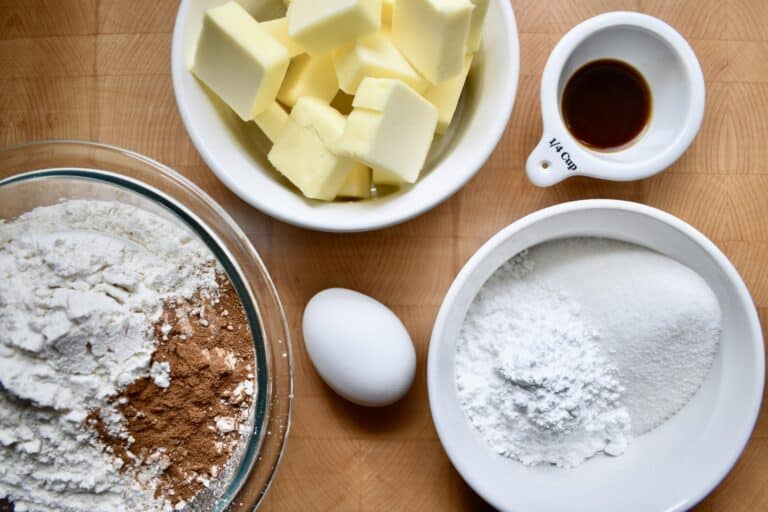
{"x":359,"y":347}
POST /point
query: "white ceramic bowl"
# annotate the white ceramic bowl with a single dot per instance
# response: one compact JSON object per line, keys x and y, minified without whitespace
{"x":236,"y":151}
{"x":672,"y":467}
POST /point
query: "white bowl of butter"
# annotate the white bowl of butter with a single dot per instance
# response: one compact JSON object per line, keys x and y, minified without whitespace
{"x":236,"y":151}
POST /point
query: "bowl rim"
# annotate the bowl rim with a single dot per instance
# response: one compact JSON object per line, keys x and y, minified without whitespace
{"x":234,"y":270}
{"x":459,"y":283}
{"x":352,"y":221}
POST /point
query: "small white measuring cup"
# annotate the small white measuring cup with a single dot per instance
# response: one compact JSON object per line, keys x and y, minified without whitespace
{"x":673,"y":74}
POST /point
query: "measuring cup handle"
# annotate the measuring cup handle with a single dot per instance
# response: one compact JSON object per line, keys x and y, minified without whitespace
{"x":552,"y":161}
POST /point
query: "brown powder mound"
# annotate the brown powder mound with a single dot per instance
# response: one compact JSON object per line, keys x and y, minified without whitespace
{"x":194,"y":423}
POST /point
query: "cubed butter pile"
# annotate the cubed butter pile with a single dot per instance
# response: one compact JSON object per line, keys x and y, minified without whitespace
{"x":401,"y":63}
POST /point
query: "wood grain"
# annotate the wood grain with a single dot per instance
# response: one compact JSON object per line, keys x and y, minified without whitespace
{"x":99,"y":70}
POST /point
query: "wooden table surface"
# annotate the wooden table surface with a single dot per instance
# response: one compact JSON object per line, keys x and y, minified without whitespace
{"x":99,"y":70}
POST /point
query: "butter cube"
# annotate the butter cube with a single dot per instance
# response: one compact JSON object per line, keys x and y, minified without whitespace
{"x":321,"y":26}
{"x":375,"y":56}
{"x":239,"y":61}
{"x":391,"y":128}
{"x":278,"y":29}
{"x":386,"y":12}
{"x":272,"y":121}
{"x":476,"y":25}
{"x":433,"y":35}
{"x":386,"y":178}
{"x":445,"y":96}
{"x":309,"y":76}
{"x":357,"y":184}
{"x":305,"y":151}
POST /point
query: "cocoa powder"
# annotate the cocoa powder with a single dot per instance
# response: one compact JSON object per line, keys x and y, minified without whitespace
{"x":195,"y":423}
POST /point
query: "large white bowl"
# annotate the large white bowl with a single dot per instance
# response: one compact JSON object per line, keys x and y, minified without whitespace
{"x":672,"y":467}
{"x":236,"y":151}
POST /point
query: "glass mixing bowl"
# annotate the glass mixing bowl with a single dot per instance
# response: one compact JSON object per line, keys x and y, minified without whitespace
{"x":43,"y":173}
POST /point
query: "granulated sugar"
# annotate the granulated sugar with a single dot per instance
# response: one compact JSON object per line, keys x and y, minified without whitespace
{"x":576,"y":345}
{"x":659,"y":321}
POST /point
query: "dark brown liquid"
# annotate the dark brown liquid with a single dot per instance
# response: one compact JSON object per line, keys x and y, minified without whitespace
{"x":606,"y":104}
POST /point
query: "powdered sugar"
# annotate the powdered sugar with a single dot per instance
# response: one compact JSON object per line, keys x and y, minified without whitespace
{"x":575,"y":346}
{"x":81,"y":284}
{"x":531,"y":377}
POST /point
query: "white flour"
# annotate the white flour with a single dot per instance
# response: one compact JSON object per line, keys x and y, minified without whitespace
{"x":81,"y":284}
{"x":572,"y":348}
